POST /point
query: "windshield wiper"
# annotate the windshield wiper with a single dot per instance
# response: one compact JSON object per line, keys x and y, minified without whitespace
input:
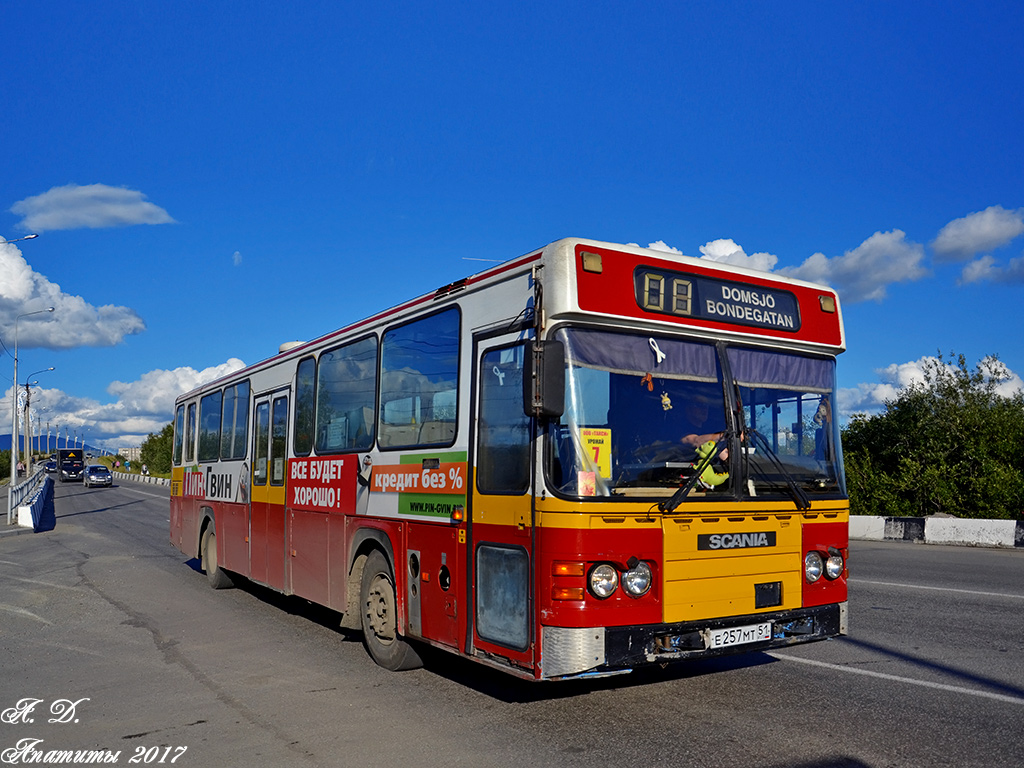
{"x":669,"y":505}
{"x":801,"y":499}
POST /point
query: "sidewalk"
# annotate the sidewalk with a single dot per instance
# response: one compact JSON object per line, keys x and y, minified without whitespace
{"x":11,"y":530}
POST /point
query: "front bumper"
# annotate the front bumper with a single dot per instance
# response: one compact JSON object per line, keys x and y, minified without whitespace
{"x":573,"y":652}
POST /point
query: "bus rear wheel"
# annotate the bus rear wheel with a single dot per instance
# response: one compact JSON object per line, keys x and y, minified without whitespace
{"x":380,"y":617}
{"x":216,"y":576}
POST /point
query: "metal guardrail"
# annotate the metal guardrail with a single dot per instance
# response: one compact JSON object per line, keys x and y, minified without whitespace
{"x":26,"y":488}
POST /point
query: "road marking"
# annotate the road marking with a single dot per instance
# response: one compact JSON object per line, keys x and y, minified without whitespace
{"x":937,"y":589}
{"x":896,"y":678}
{"x":23,"y":612}
{"x":154,"y":495}
{"x":49,"y":584}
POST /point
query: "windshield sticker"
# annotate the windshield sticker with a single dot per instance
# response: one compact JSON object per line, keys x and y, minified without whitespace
{"x":597,"y":443}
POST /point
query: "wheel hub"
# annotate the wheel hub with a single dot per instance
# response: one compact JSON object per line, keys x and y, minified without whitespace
{"x":380,"y":610}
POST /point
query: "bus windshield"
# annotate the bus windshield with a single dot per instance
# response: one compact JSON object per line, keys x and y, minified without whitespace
{"x":644,"y":413}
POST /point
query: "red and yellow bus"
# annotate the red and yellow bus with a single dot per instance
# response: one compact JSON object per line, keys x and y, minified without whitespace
{"x":581,"y":461}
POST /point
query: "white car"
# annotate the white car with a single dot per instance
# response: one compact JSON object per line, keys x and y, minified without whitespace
{"x":97,"y":474}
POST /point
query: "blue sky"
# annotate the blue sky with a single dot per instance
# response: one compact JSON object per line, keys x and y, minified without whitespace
{"x":210,"y":179}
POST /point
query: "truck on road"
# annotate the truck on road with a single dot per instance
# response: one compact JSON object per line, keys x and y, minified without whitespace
{"x":70,"y":464}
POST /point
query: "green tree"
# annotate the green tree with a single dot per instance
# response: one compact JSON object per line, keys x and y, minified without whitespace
{"x":155,"y":452}
{"x":950,"y":444}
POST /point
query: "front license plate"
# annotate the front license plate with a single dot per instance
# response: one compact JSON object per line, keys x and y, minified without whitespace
{"x":752,"y":633}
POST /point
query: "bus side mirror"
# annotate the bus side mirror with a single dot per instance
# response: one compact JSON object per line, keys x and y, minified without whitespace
{"x":544,"y":378}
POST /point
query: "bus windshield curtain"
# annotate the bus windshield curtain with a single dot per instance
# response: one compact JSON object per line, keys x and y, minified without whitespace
{"x":629,"y":354}
{"x":772,"y":370}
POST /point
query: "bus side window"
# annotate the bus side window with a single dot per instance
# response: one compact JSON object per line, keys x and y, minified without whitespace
{"x":179,"y":429}
{"x":209,"y":427}
{"x":259,"y":467}
{"x":305,"y":390}
{"x":503,"y":461}
{"x":278,"y":438}
{"x":346,"y":387}
{"x":419,"y":381}
{"x":190,"y":434}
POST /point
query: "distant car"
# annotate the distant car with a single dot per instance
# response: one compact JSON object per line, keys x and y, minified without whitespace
{"x":50,"y":466}
{"x":97,"y":474}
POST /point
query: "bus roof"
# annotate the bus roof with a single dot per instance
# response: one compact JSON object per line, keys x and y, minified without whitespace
{"x":612,"y":289}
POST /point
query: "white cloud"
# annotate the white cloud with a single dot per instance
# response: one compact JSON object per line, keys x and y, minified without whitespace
{"x":871,"y":397}
{"x":863,"y":273}
{"x":142,"y":406}
{"x":894,"y":378}
{"x":154,"y":392}
{"x":659,"y":245}
{"x":979,"y":232}
{"x":1014,"y":272}
{"x":726,"y":251}
{"x":985,"y":269}
{"x":74,"y":323}
{"x":236,"y":258}
{"x":979,"y":270}
{"x":93,"y":206}
{"x":1009,"y":383}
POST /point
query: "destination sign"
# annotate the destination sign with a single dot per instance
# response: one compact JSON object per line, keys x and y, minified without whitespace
{"x":724,"y":301}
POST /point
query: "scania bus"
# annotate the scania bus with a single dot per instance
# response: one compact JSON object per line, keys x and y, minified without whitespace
{"x":577,"y":462}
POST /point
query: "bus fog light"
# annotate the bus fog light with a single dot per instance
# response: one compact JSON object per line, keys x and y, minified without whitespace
{"x":834,"y":567}
{"x":604,"y":580}
{"x":637,"y":580}
{"x":813,"y":567}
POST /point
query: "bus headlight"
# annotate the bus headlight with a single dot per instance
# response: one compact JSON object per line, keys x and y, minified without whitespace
{"x":637,"y":580}
{"x":604,"y":580}
{"x":813,"y":567}
{"x":834,"y":565}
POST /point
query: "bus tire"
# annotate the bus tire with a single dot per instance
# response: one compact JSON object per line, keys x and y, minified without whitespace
{"x":380,"y":617}
{"x":216,"y":576}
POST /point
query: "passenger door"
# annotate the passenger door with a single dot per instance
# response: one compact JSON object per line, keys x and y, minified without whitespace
{"x":500,"y":561}
{"x":267,"y":530}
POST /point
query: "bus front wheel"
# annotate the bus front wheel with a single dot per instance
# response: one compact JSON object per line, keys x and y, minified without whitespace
{"x":215,"y":575}
{"x":380,"y":617}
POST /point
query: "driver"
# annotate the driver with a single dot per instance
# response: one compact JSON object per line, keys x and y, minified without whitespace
{"x":696,"y":430}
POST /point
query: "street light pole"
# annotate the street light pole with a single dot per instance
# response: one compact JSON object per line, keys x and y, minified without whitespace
{"x":14,"y":405}
{"x":25,"y":426}
{"x":28,"y":423}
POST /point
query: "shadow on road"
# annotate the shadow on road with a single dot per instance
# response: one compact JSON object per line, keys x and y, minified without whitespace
{"x":102,"y":509}
{"x":493,"y":682}
{"x":945,"y":669}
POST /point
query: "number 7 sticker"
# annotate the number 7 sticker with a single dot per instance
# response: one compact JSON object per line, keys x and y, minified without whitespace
{"x":598,"y":445}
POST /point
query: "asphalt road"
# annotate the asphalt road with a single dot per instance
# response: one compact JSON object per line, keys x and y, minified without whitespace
{"x":115,"y":635}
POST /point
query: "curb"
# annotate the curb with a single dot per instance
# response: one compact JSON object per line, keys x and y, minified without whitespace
{"x":939,"y":530}
{"x":149,"y":479}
